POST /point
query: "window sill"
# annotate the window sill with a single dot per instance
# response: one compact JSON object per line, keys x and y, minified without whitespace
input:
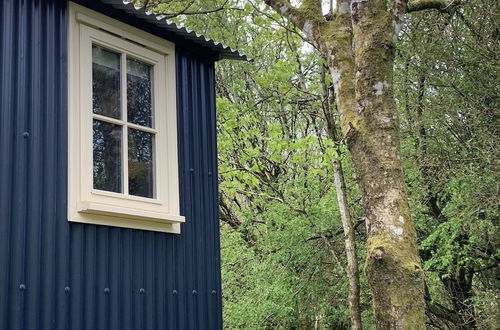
{"x":103,"y":214}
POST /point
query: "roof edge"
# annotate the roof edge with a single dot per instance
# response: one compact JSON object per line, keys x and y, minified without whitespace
{"x":161,"y":23}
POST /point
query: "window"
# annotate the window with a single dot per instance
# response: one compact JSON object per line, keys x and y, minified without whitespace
{"x":122,"y":126}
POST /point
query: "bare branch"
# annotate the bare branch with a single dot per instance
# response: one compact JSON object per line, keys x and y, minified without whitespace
{"x":302,"y":17}
{"x":283,"y":23}
{"x":285,"y":9}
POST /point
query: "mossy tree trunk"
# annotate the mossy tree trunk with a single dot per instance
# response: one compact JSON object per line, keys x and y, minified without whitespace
{"x":393,"y":266}
{"x":358,"y":39}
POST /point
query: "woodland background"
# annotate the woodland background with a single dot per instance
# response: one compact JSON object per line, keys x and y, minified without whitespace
{"x":283,"y":254}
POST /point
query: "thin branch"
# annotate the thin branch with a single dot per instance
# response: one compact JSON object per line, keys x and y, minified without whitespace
{"x":285,"y":9}
{"x":331,"y":235}
{"x":185,"y":11}
{"x":309,"y":11}
{"x":283,"y":24}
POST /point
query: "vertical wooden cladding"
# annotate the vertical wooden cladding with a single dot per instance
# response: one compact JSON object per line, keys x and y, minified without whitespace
{"x":60,"y":275}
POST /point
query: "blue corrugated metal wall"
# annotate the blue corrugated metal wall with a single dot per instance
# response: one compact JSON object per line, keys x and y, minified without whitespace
{"x":57,"y":275}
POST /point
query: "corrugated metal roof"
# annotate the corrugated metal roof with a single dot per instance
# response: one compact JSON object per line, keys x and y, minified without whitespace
{"x":127,"y":6}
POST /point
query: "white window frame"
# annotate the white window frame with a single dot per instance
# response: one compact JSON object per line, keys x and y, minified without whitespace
{"x":85,"y":204}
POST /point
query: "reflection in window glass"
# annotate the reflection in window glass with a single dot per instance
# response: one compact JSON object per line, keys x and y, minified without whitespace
{"x":105,"y":82}
{"x":139,"y":89}
{"x":107,"y":156}
{"x":141,"y":163}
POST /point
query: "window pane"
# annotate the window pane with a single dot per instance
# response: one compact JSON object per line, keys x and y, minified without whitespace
{"x":105,"y":82}
{"x":140,"y":163}
{"x":139,"y":89}
{"x":107,"y":156}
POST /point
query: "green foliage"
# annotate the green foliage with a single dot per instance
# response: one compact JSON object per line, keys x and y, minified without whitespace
{"x":448,"y":94}
{"x":282,"y":240}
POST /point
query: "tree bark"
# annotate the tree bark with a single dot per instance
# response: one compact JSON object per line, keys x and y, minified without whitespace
{"x":358,"y":42}
{"x":393,"y":266}
{"x":350,"y":247}
{"x":345,"y":216}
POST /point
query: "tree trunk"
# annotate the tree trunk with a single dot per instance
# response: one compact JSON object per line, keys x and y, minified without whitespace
{"x":393,"y":265}
{"x":345,"y":216}
{"x":350,"y":247}
{"x":359,"y":45}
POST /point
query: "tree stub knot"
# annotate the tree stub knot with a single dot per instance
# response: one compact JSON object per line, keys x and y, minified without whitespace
{"x":378,"y":253}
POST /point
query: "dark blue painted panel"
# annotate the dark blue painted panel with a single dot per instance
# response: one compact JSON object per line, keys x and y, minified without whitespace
{"x":57,"y":275}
